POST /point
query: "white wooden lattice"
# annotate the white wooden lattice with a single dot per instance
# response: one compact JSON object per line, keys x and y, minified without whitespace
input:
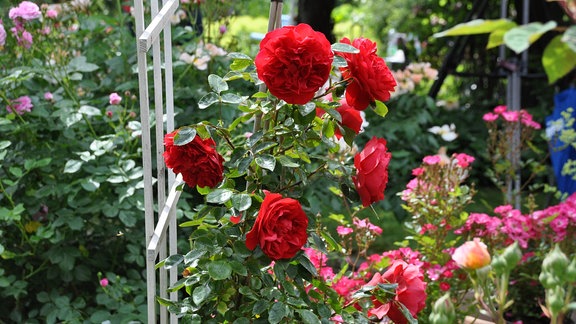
{"x":154,"y":35}
{"x":156,"y":227}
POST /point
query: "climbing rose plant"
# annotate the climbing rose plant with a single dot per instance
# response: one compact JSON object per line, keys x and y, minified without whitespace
{"x":254,"y":230}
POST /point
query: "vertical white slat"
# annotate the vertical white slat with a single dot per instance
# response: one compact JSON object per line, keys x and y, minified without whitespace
{"x":160,"y":167}
{"x":146,"y":160}
{"x":172,"y":226}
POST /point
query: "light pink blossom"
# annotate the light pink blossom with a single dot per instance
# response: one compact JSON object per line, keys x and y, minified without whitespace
{"x":48,"y":96}
{"x":115,"y":98}
{"x":2,"y":34}
{"x":51,"y":13}
{"x":20,"y":105}
{"x":26,"y":10}
{"x":104,"y":282}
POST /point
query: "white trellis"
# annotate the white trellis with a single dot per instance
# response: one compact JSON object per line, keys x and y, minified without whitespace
{"x":151,"y":36}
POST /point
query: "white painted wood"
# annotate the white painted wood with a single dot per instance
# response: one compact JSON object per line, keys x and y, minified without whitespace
{"x":151,"y":37}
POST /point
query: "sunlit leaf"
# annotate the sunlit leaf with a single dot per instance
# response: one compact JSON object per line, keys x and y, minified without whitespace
{"x":474,"y":27}
{"x":558,"y":59}
{"x":217,"y":83}
{"x":519,"y":38}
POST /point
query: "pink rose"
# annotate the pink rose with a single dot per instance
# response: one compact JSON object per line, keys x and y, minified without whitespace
{"x":472,"y":255}
{"x":26,"y":10}
{"x":20,"y":105}
{"x":104,"y":282}
{"x":115,"y":98}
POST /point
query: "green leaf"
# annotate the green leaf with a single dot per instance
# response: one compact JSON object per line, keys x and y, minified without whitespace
{"x":219,"y":196}
{"x":406,"y":313}
{"x":184,"y":135}
{"x":339,"y":62}
{"x":558,"y":59}
{"x":569,"y":37}
{"x":263,"y":146}
{"x":307,"y":108}
{"x":217,"y":83}
{"x":79,"y":64}
{"x":266,"y":161}
{"x":16,"y":171}
{"x":241,"y":202}
{"x":89,"y":184}
{"x":239,"y":65}
{"x":238,"y":268}
{"x":474,"y":27}
{"x":173,"y":260}
{"x":209,"y":99}
{"x":328,"y":128}
{"x":308,"y":317}
{"x":277,"y":312}
{"x":232,"y":98}
{"x":519,"y":39}
{"x":260,"y":95}
{"x":193,"y":256}
{"x":200,"y":294}
{"x":89,"y":111}
{"x":4,"y":144}
{"x":380,"y":108}
{"x":344,"y":48}
{"x":287,"y":162}
{"x":496,"y":37}
{"x":72,"y":166}
{"x":241,"y":56}
{"x":219,"y":270}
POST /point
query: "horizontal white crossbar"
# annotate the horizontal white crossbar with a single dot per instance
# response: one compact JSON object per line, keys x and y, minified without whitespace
{"x":163,"y":219}
{"x":153,"y":30}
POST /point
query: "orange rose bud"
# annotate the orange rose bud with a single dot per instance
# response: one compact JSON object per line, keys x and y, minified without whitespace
{"x":472,"y":255}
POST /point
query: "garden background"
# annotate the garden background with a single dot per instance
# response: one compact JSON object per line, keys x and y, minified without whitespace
{"x":71,"y":204}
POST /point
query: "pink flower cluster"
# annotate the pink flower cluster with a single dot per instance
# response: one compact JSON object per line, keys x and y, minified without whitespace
{"x":26,"y":11}
{"x":404,"y":270}
{"x":20,"y":105}
{"x":511,"y":116}
{"x":554,"y":224}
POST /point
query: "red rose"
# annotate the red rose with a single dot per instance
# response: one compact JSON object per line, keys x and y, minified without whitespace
{"x":369,"y":77}
{"x":372,"y":171}
{"x":351,"y":118}
{"x":280,"y":228}
{"x":411,"y":291}
{"x":294,"y":62}
{"x":197,"y":161}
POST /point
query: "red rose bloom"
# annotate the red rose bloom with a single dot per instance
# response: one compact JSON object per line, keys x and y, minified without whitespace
{"x":294,"y":62}
{"x":280,"y":228}
{"x":197,"y":161}
{"x":411,"y":291}
{"x":372,"y":171}
{"x":351,"y":118}
{"x":369,"y":77}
